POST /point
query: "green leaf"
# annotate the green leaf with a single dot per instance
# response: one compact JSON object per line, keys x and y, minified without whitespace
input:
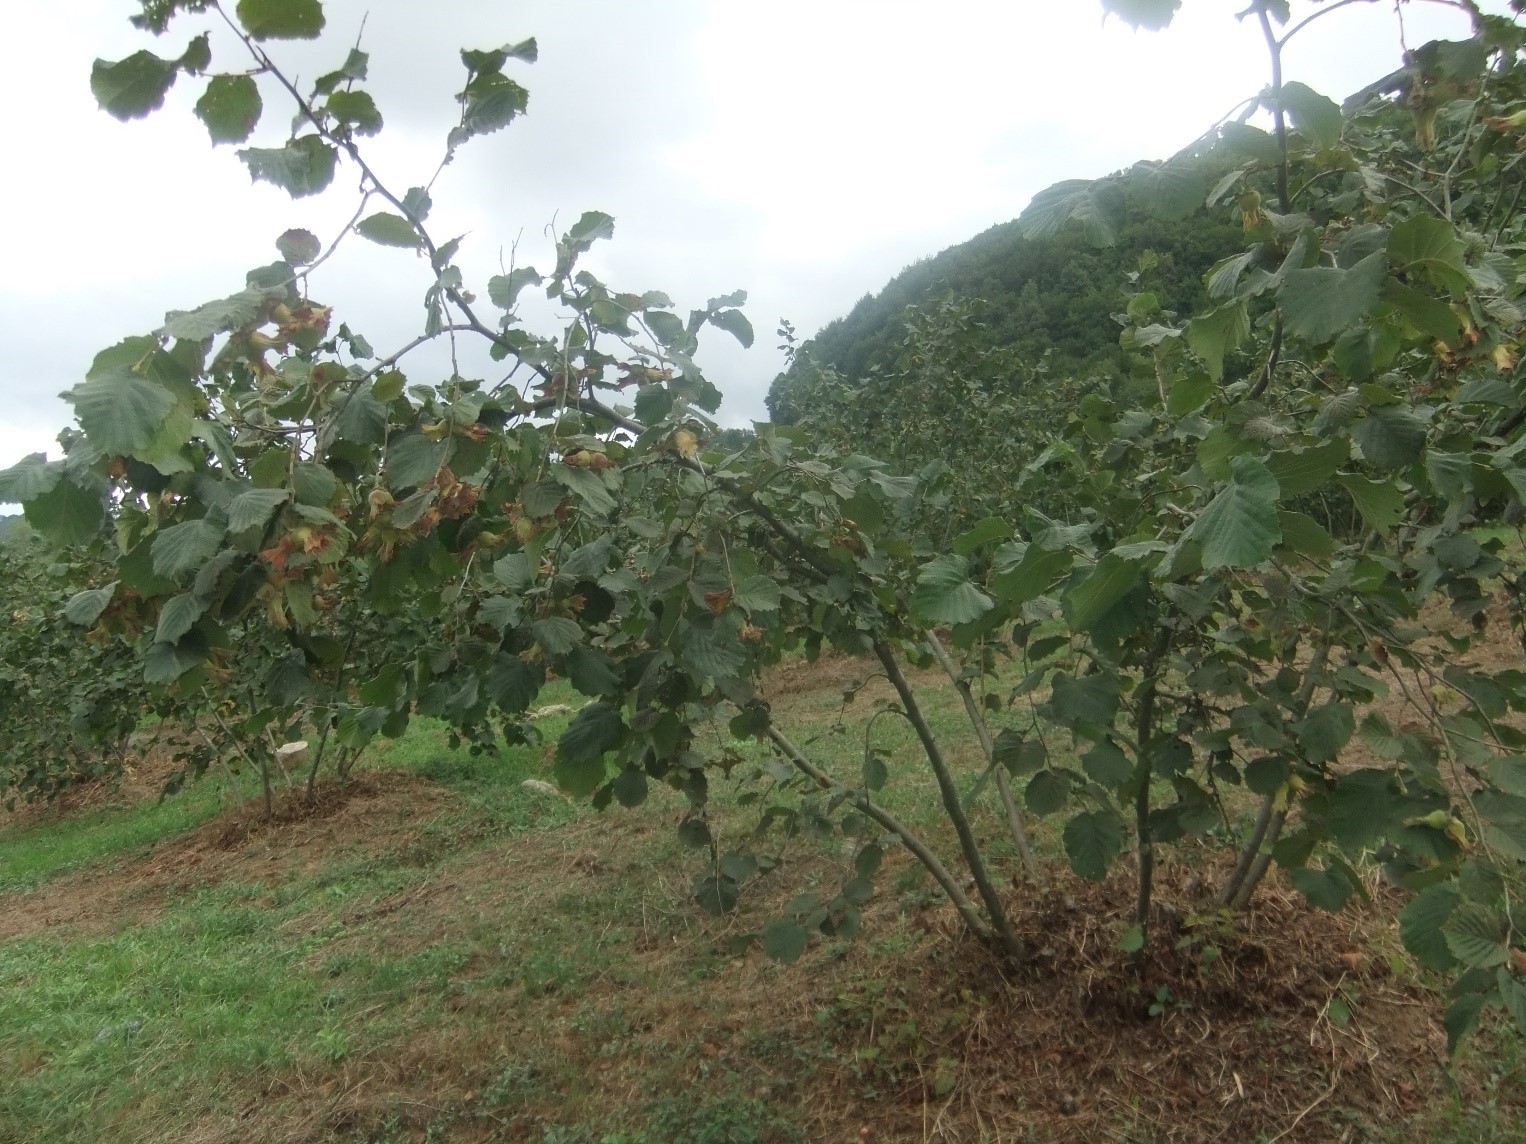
{"x":557,"y":634}
{"x":357,"y":110}
{"x":1110,"y":581}
{"x":1169,"y":190}
{"x":281,"y":19}
{"x":215,"y":317}
{"x":1380,"y":502}
{"x":178,"y":616}
{"x":1032,"y":576}
{"x":1152,"y":15}
{"x":164,"y":662}
{"x":1092,"y":840}
{"x":1325,"y":730}
{"x":1429,"y":316}
{"x":1462,"y":1018}
{"x":1133,"y":939}
{"x":29,"y":477}
{"x":1430,"y":245}
{"x":1217,"y":333}
{"x":875,"y":773}
{"x":629,"y":787}
{"x":305,"y":166}
{"x":131,"y":88}
{"x":1046,"y":792}
{"x":298,"y":246}
{"x":1239,"y":527}
{"x":67,"y":513}
{"x":1322,"y":302}
{"x":1390,"y":436}
{"x":362,"y":418}
{"x":513,"y":683}
{"x":387,"y":229}
{"x":490,"y":103}
{"x":592,"y":672}
{"x":1328,"y":889}
{"x":230,"y":107}
{"x":84,"y":608}
{"x":784,"y":939}
{"x":757,"y":593}
{"x":1106,"y":764}
{"x":1421,"y":923}
{"x":503,"y":289}
{"x":1300,"y":471}
{"x":1305,"y":535}
{"x":120,"y":411}
{"x":945,"y":594}
{"x":1476,"y":936}
{"x":595,"y":731}
{"x":252,"y":508}
{"x":1086,"y":699}
{"x":183,"y":548}
{"x":1317,"y":117}
{"x":1019,"y":754}
{"x":735,"y":323}
{"x":1098,"y":207}
{"x":587,"y":486}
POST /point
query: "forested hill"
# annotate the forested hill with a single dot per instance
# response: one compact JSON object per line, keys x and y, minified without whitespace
{"x":1054,"y":295}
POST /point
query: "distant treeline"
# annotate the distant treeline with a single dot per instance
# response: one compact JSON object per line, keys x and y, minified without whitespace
{"x":1049,"y":300}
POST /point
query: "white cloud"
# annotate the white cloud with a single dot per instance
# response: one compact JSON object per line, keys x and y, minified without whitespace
{"x":802,"y":151}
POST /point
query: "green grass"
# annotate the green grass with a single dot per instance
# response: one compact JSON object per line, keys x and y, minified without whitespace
{"x":29,"y":855}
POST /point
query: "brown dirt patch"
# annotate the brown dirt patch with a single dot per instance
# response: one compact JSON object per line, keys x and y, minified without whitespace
{"x":364,"y":816}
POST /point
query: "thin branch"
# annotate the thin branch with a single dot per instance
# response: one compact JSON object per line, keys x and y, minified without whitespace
{"x":983,"y":733}
{"x":934,"y":866}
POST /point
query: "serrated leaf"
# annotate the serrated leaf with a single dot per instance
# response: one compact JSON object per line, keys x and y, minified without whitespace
{"x":1110,"y":581}
{"x":1171,"y":190}
{"x":1300,"y":471}
{"x":1475,"y":935}
{"x":784,"y":939}
{"x":215,"y":317}
{"x":252,"y":508}
{"x":629,"y":787}
{"x":304,"y":166}
{"x":230,"y":107}
{"x":281,"y":19}
{"x":29,"y":477}
{"x":503,"y":289}
{"x":735,"y":323}
{"x":120,"y":411}
{"x":1390,"y":436}
{"x":183,"y":548}
{"x":387,"y":229}
{"x":490,"y":103}
{"x":1325,"y":730}
{"x":1322,"y":302}
{"x":1033,"y":575}
{"x":131,"y":88}
{"x":164,"y":663}
{"x":592,"y":672}
{"x":594,"y":731}
{"x":945,"y":594}
{"x":1317,"y":117}
{"x":1430,"y":245}
{"x":513,"y":683}
{"x":84,"y":608}
{"x":757,"y":593}
{"x":178,"y":615}
{"x":1380,"y":502}
{"x":557,"y":634}
{"x":67,"y":513}
{"x":1328,"y":889}
{"x":1239,"y":527}
{"x":1092,"y":840}
{"x":1046,"y":792}
{"x":356,"y":110}
{"x":1098,"y":207}
{"x":1421,"y":923}
{"x":1106,"y":764}
{"x":298,"y":246}
{"x":1305,"y":535}
{"x":1216,"y":333}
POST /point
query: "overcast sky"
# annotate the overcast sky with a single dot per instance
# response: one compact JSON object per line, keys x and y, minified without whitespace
{"x":802,"y":150}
